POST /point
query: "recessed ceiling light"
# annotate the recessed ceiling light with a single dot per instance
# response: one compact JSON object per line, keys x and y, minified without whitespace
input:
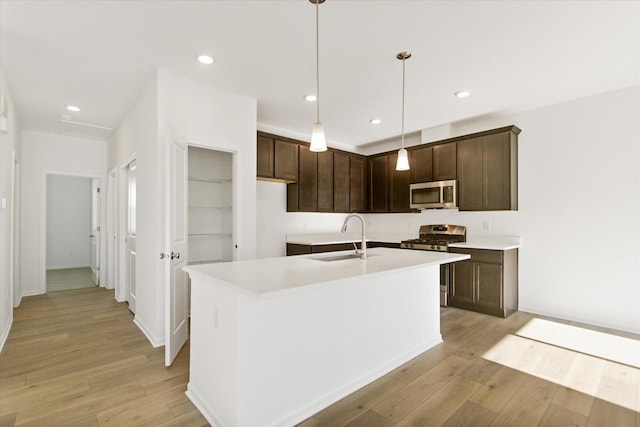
{"x":462,"y":94}
{"x":375,"y":121}
{"x":73,"y":108}
{"x":310,"y":98}
{"x":205,"y":59}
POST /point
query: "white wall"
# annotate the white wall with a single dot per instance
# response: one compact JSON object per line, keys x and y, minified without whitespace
{"x":579,"y":198}
{"x":274,"y":223}
{"x":9,"y":223}
{"x":68,"y":222}
{"x":203,"y":116}
{"x":42,"y":154}
{"x":137,"y":135}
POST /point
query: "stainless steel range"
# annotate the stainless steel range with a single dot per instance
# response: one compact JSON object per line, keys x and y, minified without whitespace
{"x":437,"y":237}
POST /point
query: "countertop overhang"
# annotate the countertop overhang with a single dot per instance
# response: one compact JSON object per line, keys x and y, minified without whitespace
{"x":271,"y":277}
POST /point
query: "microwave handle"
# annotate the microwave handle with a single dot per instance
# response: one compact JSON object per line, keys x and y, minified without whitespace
{"x":441,"y":193}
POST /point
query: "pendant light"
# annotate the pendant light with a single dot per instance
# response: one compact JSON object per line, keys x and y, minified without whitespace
{"x":318,"y":141}
{"x":403,"y":158}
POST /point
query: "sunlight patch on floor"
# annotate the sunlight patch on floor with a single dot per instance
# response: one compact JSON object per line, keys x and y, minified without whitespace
{"x":571,"y":367}
{"x":607,"y":346}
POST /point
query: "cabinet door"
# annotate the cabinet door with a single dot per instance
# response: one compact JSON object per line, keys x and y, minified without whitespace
{"x":496,"y":172}
{"x":470,"y":174}
{"x":444,"y":161}
{"x":285,"y":160}
{"x":398,"y":187}
{"x":341,"y":182}
{"x":325,"y":181}
{"x":421,"y":164}
{"x":462,"y":285}
{"x":357,"y":185}
{"x":307,"y":180}
{"x":265,"y":157}
{"x":379,"y":184}
{"x":488,"y":279}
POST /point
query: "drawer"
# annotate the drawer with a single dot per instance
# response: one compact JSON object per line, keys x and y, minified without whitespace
{"x":481,"y":255}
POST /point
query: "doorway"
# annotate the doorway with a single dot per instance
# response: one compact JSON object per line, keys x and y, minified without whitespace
{"x":72,"y":232}
{"x":130,"y":251}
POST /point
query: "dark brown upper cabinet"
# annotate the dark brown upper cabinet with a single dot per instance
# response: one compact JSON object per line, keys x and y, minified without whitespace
{"x":325,"y":181}
{"x":358,"y":182}
{"x":307,"y":180}
{"x":378,"y":183}
{"x":341,"y":182}
{"x":285,"y":162}
{"x":277,"y":160}
{"x":433,"y":163}
{"x":265,"y":157}
{"x":484,"y":164}
{"x":398,"y":186}
{"x":488,"y":171}
{"x":420,"y":160}
{"x":444,"y":161}
{"x":470,"y":173}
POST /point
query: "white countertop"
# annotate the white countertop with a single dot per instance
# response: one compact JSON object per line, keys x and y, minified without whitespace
{"x":269,"y":277}
{"x":337,"y":238}
{"x":498,"y":243}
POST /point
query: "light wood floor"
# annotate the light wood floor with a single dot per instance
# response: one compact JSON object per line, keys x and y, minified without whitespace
{"x":69,"y":278}
{"x":75,"y":358}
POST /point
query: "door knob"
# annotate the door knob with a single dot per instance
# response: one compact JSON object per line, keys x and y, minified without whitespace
{"x":91,"y":235}
{"x":175,"y":255}
{"x":163,"y":255}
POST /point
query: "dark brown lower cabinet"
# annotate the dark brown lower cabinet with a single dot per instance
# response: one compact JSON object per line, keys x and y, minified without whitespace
{"x":487,"y":283}
{"x":299,"y":249}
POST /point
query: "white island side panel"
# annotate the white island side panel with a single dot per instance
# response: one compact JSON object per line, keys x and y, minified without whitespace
{"x":277,"y":361}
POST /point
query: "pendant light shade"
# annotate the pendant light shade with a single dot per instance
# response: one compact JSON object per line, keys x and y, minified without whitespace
{"x":318,"y":141}
{"x":403,"y":159}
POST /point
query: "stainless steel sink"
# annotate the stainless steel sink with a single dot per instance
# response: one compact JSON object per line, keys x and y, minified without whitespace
{"x":340,"y":257}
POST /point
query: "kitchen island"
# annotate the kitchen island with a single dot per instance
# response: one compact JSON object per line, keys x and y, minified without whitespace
{"x":274,"y":341}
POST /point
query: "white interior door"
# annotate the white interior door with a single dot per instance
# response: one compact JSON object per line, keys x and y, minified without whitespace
{"x":95,"y":231}
{"x":130,"y":239}
{"x":111,"y":230}
{"x":176,"y":247}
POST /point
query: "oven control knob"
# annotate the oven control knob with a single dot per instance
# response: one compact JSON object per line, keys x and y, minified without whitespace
{"x":433,"y":247}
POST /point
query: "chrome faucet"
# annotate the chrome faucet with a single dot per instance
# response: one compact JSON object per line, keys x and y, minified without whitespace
{"x":363,"y":246}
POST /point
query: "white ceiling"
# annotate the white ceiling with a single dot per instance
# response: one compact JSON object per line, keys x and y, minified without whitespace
{"x":511,"y":55}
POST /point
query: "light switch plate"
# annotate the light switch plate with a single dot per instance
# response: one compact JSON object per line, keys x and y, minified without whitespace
{"x":3,"y":202}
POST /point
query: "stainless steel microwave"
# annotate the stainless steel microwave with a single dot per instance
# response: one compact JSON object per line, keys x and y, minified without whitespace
{"x":433,"y":195}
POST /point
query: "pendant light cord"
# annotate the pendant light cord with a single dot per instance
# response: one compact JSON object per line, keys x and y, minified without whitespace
{"x":317,"y":65}
{"x":403,"y":74}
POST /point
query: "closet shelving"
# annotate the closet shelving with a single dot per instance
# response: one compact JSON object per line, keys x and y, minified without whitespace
{"x":210,"y":206}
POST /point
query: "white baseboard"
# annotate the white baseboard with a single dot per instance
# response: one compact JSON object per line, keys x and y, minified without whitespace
{"x":155,"y":342}
{"x":32,"y":293}
{"x":65,"y":267}
{"x":120,"y":298}
{"x":208,"y":413}
{"x":543,"y":312}
{"x":5,"y":332}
